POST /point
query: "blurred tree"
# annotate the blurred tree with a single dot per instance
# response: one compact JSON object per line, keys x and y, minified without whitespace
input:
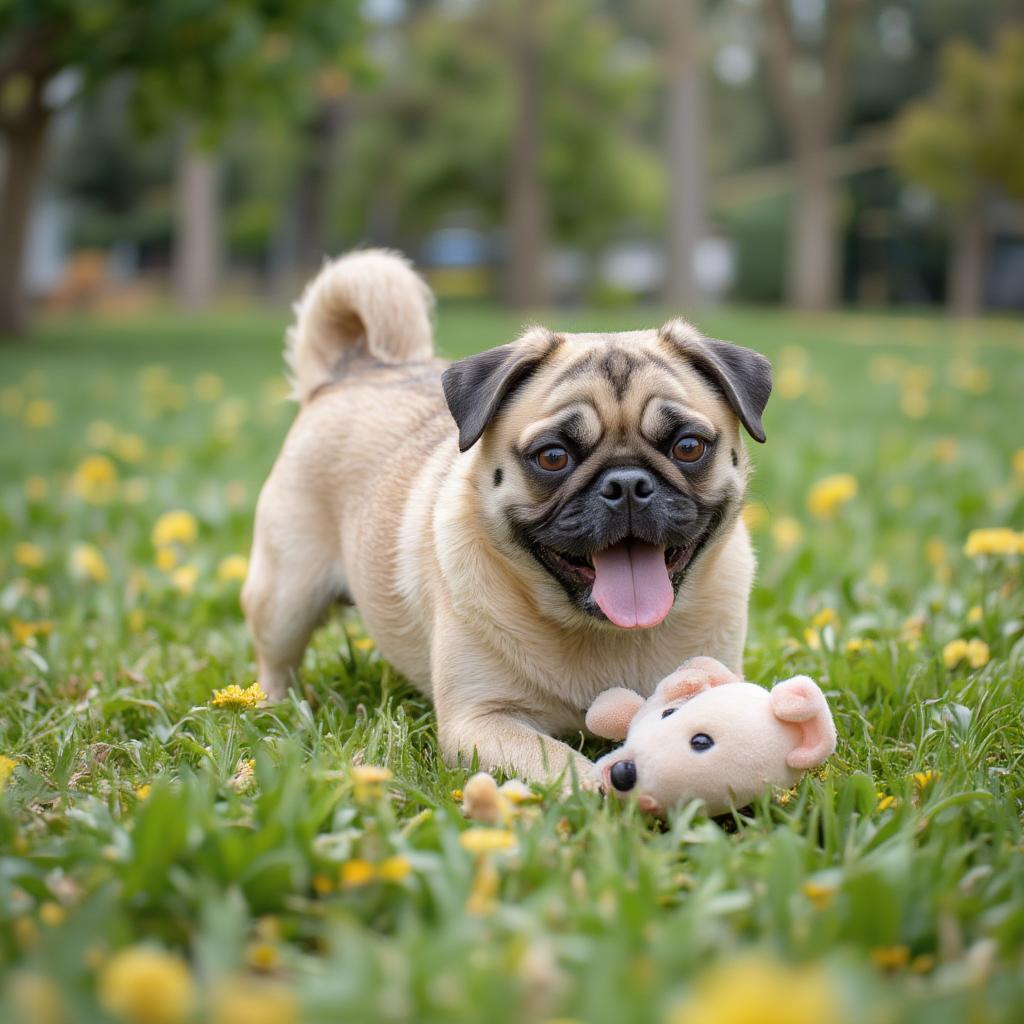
{"x":440,"y":138}
{"x":208,"y":61}
{"x":808,"y":65}
{"x":965,"y":144}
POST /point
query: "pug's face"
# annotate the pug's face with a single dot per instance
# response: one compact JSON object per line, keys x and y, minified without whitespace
{"x":610,"y":463}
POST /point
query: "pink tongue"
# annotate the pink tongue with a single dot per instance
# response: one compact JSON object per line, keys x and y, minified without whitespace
{"x":632,"y":586}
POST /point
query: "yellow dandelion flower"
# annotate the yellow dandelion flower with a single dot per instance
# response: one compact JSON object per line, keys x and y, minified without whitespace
{"x":878,"y":574}
{"x":254,"y":1001}
{"x":141,"y":985}
{"x":129,"y":448}
{"x":95,"y":480}
{"x":975,"y":614}
{"x":262,"y":956}
{"x":166,"y":559}
{"x":946,"y":449}
{"x":487,"y":840}
{"x":322,"y":884}
{"x":859,"y":645}
{"x":791,"y":382}
{"x":142,"y":792}
{"x":923,"y":963}
{"x":890,"y":958}
{"x":234,"y":698}
{"x":829,"y":494}
{"x":184,"y":579}
{"x":826,"y":617}
{"x":457,"y":795}
{"x":994,"y":540}
{"x":394,"y":869}
{"x":136,"y":620}
{"x":370,"y":774}
{"x":356,"y":873}
{"x":363,"y":643}
{"x":924,"y":779}
{"x":820,"y":894}
{"x":978,"y":653}
{"x":52,"y":914}
{"x":755,"y":989}
{"x":7,"y":766}
{"x":26,"y":632}
{"x":755,"y":515}
{"x":87,"y":562}
{"x":28,"y":555}
{"x":176,"y":527}
{"x":25,"y":931}
{"x":36,"y":999}
{"x":914,"y":403}
{"x":912,"y":631}
{"x":40,"y":413}
{"x":36,"y":488}
{"x":812,"y":638}
{"x":885,"y":801}
{"x":233,"y":569}
{"x":787,"y":533}
{"x":208,"y":387}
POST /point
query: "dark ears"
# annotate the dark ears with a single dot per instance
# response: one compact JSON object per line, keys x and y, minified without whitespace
{"x":476,"y":387}
{"x":742,"y":375}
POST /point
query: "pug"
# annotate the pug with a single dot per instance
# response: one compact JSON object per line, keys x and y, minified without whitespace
{"x":519,"y":530}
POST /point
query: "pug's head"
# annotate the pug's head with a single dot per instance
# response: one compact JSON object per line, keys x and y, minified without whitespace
{"x":608,"y":465}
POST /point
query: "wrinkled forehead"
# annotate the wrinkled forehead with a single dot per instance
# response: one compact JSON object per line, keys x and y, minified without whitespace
{"x":625,"y":383}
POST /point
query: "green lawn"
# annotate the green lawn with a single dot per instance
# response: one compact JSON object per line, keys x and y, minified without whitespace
{"x":175,"y":861}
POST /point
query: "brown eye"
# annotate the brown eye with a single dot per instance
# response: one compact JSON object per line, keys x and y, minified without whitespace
{"x":553,"y":459}
{"x":689,"y":449}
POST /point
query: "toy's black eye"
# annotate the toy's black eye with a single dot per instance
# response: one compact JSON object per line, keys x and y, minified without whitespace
{"x":701,"y":742}
{"x":668,"y":711}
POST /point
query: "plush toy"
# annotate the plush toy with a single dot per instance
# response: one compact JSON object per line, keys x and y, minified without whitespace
{"x":704,"y":734}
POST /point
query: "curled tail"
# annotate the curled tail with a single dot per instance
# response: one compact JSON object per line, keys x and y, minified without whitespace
{"x":371,"y":302}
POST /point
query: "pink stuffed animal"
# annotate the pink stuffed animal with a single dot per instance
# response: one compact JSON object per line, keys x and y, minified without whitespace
{"x":704,"y":734}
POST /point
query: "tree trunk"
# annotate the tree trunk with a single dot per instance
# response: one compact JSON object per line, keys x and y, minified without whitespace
{"x":813,"y":263}
{"x":26,"y":150}
{"x":525,"y":207}
{"x":197,"y":228}
{"x":967,"y":261}
{"x":685,"y":152}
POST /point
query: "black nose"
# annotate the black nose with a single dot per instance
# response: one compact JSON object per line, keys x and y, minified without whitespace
{"x":623,"y":776}
{"x":627,"y":486}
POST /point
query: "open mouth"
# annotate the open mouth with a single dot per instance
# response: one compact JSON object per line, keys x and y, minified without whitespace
{"x":632,"y":582}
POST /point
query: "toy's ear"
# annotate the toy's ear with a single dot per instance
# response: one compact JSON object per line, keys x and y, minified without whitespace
{"x":800,"y":700}
{"x":610,"y":714}
{"x":693,"y":677}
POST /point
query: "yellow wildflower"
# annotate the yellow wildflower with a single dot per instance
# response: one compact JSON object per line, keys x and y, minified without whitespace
{"x":95,"y":480}
{"x":994,"y":540}
{"x":129,"y":448}
{"x":826,"y":617}
{"x":791,"y":382}
{"x":946,"y":449}
{"x":890,"y":958}
{"x":166,"y":559}
{"x":975,"y":614}
{"x":136,"y":620}
{"x":52,"y":914}
{"x":487,"y":840}
{"x":142,"y":792}
{"x":176,"y":527}
{"x":859,"y":645}
{"x":252,"y":1001}
{"x":394,"y":869}
{"x":483,"y":893}
{"x":369,"y":781}
{"x":925,"y":778}
{"x":233,"y":569}
{"x":922,"y":963}
{"x":787,"y":533}
{"x":878,"y":574}
{"x":356,"y":873}
{"x":184,"y":579}
{"x":830,"y":493}
{"x":812,"y":638}
{"x":142,"y":985}
{"x":819,"y":893}
{"x":26,"y":632}
{"x":7,"y":766}
{"x":756,"y":989}
{"x":975,"y":652}
{"x":40,"y":413}
{"x":323,"y":885}
{"x":914,"y":403}
{"x":87,"y":562}
{"x":28,"y":555}
{"x":36,"y":999}
{"x":885,"y":801}
{"x":262,"y":956}
{"x":237,"y":699}
{"x":36,"y":488}
{"x":755,"y":515}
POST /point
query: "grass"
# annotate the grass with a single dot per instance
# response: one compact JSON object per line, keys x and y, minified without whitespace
{"x":169,"y":860}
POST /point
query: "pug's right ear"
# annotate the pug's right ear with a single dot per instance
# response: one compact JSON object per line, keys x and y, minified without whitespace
{"x":476,"y":387}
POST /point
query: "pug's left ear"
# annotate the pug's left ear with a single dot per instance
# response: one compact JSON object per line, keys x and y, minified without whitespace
{"x":743,"y":375}
{"x":476,"y":387}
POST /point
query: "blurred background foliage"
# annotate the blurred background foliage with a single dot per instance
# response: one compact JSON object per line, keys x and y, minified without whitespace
{"x":812,"y":152}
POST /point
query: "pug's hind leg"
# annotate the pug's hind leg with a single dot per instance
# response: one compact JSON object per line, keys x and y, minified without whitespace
{"x":292,"y":581}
